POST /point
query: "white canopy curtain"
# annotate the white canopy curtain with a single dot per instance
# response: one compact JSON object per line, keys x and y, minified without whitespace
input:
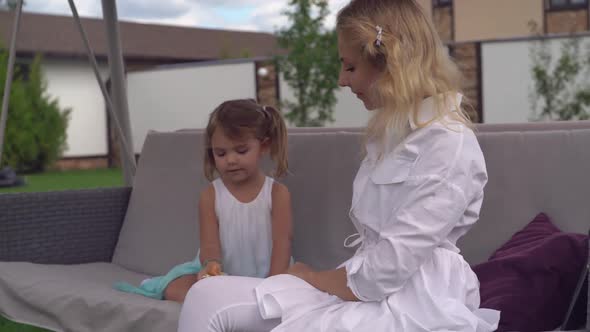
{"x":117,"y":106}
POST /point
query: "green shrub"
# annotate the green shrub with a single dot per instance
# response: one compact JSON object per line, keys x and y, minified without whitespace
{"x":35,"y":134}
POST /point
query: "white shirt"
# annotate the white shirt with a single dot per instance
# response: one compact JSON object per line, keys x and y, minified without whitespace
{"x":424,"y":194}
{"x":409,"y":207}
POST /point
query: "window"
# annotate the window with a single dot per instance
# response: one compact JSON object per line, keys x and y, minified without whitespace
{"x":567,"y":4}
{"x":441,"y":3}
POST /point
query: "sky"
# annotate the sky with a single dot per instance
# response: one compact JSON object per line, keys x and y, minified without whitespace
{"x":250,"y":15}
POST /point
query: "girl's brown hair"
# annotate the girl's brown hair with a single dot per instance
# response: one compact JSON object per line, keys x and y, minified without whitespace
{"x":241,"y":117}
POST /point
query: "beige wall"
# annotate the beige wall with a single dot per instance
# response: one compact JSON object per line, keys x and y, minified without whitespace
{"x":427,"y":5}
{"x":493,"y":19}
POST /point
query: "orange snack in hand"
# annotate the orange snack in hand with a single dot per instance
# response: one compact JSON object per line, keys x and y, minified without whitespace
{"x":213,"y":269}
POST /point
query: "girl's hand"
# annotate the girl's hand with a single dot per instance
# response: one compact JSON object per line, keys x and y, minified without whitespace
{"x":301,"y":271}
{"x":212,"y":269}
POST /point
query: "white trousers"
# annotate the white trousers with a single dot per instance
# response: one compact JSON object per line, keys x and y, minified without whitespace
{"x":223,"y":304}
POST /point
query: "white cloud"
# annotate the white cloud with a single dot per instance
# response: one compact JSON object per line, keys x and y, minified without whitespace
{"x":334,"y":6}
{"x":269,"y":17}
{"x":256,"y":15}
{"x":153,"y":9}
{"x":61,"y":7}
{"x":231,"y":3}
{"x":245,"y":27}
{"x":194,"y":16}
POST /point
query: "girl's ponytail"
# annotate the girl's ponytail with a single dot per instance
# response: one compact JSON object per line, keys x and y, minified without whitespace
{"x":277,"y":134}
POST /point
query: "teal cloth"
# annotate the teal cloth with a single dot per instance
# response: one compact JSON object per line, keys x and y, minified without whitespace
{"x":155,"y":287}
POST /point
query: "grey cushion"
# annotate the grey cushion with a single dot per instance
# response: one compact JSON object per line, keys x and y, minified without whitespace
{"x":161,"y":226}
{"x":532,"y":126}
{"x":323,"y":166}
{"x":531,"y":167}
{"x":529,"y":172}
{"x":80,"y":298}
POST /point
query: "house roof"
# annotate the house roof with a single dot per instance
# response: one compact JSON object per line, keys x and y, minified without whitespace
{"x":58,"y":36}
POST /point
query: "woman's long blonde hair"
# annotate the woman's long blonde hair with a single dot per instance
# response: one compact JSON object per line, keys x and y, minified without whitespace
{"x":413,"y":61}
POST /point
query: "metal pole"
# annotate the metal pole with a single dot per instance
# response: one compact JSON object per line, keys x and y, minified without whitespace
{"x":126,"y":157}
{"x":118,"y":82}
{"x":9,"y":74}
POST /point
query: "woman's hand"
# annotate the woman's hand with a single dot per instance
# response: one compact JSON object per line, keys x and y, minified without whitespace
{"x":333,"y":282}
{"x":212,"y":269}
{"x":301,"y":271}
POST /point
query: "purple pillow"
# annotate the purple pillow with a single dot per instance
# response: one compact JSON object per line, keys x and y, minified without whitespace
{"x":531,"y":278}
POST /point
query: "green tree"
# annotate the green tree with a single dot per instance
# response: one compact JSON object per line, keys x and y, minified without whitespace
{"x":35,"y":133}
{"x":561,"y":90}
{"x":311,"y":66}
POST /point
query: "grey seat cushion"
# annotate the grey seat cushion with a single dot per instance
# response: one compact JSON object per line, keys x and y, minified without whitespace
{"x":80,"y":298}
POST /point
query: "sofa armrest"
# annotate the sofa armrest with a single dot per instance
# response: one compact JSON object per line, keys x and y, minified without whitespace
{"x":62,"y":227}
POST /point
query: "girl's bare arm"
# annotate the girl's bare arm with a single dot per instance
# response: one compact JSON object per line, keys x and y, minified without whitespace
{"x":282,"y":229}
{"x":209,"y":227}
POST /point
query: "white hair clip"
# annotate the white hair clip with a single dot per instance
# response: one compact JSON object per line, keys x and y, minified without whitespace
{"x":264,"y":111}
{"x":379,"y":38}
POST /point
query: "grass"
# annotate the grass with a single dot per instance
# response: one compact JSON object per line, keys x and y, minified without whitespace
{"x":64,"y":180}
{"x":8,"y":326}
{"x":56,"y":180}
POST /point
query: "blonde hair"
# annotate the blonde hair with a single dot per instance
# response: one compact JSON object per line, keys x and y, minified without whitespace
{"x":412,"y":59}
{"x":241,"y":117}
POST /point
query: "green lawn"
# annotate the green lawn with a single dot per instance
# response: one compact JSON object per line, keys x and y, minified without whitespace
{"x":78,"y":179}
{"x":55,"y":180}
{"x":8,"y":326}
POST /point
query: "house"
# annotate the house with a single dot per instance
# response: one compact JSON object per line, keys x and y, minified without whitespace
{"x":473,"y":27}
{"x":71,"y":80}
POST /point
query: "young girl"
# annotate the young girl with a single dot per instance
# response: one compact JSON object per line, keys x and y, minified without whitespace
{"x":244,"y":215}
{"x":418,"y":190}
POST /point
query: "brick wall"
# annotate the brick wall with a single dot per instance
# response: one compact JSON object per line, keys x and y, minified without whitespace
{"x":466,"y":56}
{"x":114,"y":157}
{"x":566,"y":21}
{"x":443,"y":22}
{"x":266,"y":86}
{"x":81,"y":163}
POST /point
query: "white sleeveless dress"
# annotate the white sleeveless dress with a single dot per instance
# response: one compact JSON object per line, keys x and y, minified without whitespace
{"x":245,"y":231}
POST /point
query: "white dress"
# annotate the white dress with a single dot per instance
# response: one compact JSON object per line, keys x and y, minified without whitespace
{"x":245,"y":231}
{"x":409,"y":207}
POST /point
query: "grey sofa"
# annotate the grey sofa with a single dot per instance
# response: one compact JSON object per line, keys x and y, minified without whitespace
{"x":60,"y":252}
